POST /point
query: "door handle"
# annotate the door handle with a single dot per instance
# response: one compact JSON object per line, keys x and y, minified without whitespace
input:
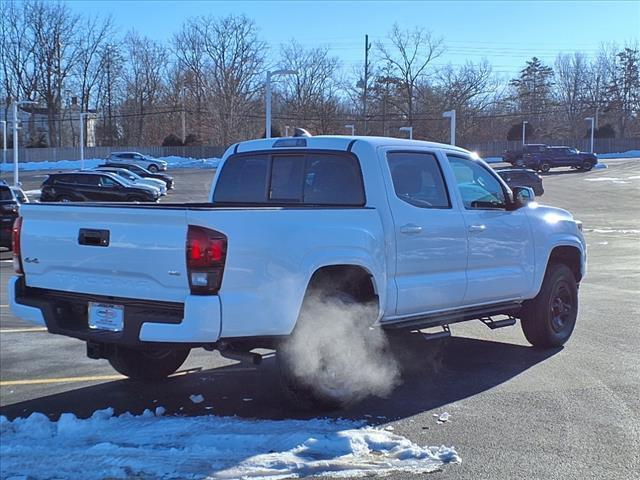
{"x":410,"y":229}
{"x":477,"y":228}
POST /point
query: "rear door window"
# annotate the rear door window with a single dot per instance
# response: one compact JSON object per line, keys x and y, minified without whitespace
{"x":418,"y":180}
{"x":293,"y":178}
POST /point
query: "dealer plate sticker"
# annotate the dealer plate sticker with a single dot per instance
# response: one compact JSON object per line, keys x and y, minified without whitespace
{"x":105,"y":316}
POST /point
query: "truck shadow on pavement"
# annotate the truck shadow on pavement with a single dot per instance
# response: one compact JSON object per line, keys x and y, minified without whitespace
{"x":434,"y":374}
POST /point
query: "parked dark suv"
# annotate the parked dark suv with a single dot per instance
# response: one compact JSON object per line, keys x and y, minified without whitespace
{"x":552,"y":157}
{"x":514,"y":157}
{"x":94,"y":186}
{"x":522,"y":177}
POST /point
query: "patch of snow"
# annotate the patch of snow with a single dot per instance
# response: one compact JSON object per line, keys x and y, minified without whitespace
{"x":196,"y":398}
{"x":147,"y":446}
{"x":635,"y":177}
{"x":608,"y":231}
{"x":600,"y":166}
{"x":160,"y":411}
{"x":444,"y":417}
{"x":605,"y":179}
{"x":627,"y":154}
{"x":172,"y":162}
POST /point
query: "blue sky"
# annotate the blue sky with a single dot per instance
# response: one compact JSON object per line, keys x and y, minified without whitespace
{"x":504,"y":32}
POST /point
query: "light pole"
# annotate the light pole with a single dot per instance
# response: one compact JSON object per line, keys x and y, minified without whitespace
{"x":82,"y":117}
{"x":268,"y":97}
{"x":353,"y":129}
{"x":452,"y":115}
{"x":592,"y":120}
{"x":4,"y":141}
{"x":15,"y":138}
{"x":524,"y":132}
{"x":407,"y":129}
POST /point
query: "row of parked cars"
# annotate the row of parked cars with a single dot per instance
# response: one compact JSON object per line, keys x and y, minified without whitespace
{"x":122,"y":178}
{"x":542,"y":158}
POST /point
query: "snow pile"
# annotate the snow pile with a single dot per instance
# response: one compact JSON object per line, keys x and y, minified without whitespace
{"x":147,"y":446}
{"x":172,"y":162}
{"x":186,"y":162}
{"x":627,"y":154}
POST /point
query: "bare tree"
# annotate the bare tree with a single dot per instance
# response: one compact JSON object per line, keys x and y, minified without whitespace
{"x":144,"y":86}
{"x":311,"y":94}
{"x":54,"y":29}
{"x":410,"y":54}
{"x":571,"y":91}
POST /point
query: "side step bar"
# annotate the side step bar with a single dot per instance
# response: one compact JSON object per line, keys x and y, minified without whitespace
{"x":509,"y":309}
{"x":493,"y":324}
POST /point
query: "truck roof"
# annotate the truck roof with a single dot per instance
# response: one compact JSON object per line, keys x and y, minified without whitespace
{"x":336,"y":142}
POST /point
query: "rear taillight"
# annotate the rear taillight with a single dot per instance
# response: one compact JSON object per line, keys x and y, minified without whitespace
{"x":206,"y":255}
{"x":15,"y":245}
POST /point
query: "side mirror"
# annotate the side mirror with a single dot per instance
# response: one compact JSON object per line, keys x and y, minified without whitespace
{"x":522,"y":196}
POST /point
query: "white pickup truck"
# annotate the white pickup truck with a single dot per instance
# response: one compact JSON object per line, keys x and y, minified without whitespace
{"x":423,"y":234}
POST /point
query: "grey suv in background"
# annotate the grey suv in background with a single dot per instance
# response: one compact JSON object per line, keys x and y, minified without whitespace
{"x":135,"y":158}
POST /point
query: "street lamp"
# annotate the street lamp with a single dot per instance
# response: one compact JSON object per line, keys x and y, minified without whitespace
{"x":524,"y":133}
{"x":268,"y":97}
{"x":452,"y":115}
{"x":15,"y":138}
{"x":353,"y":129}
{"x":407,"y":129}
{"x":4,"y":141}
{"x":591,"y":119}
{"x":83,"y":115}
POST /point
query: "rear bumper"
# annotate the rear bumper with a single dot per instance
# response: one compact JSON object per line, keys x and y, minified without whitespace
{"x":194,"y":322}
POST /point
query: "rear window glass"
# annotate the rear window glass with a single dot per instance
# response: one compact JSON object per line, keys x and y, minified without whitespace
{"x":5,"y":193}
{"x":295,"y":178}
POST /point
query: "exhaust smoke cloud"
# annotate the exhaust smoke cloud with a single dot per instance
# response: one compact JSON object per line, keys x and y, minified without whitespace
{"x":335,"y":351}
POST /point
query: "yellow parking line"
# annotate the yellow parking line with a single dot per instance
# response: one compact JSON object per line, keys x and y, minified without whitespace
{"x":97,"y":378}
{"x":23,"y":330}
{"x":44,"y":381}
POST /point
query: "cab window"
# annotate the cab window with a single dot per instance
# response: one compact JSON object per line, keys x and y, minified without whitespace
{"x":479,"y":188}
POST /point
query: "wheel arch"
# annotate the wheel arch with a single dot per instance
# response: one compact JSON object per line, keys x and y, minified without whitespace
{"x":571,"y":256}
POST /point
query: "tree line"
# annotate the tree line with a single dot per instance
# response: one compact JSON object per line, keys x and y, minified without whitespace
{"x":206,"y":84}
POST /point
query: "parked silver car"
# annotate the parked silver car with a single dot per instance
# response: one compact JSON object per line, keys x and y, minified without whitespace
{"x":135,"y":158}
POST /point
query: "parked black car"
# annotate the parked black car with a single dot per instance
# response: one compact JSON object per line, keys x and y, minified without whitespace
{"x":94,"y":186}
{"x":552,"y":157}
{"x":522,"y":177}
{"x":143,"y":172}
{"x":9,"y":211}
{"x":514,"y":157}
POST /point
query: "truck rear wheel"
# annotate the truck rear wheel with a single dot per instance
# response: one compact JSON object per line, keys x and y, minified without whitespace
{"x":140,"y":364}
{"x":545,"y":167}
{"x":549,"y":319}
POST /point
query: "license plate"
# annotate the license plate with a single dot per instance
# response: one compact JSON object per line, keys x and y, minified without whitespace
{"x":106,"y":316}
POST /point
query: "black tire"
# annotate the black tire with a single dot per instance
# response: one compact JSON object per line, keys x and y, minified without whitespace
{"x":147,"y":364}
{"x":153,"y":168}
{"x":545,"y":167}
{"x":549,"y":319}
{"x":323,"y":388}
{"x":586,"y":165}
{"x":64,"y":199}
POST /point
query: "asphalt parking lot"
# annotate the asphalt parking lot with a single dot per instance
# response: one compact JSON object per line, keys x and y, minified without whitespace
{"x":516,"y":412}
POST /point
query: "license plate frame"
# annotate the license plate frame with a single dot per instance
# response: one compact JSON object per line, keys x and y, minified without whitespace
{"x":105,"y":316}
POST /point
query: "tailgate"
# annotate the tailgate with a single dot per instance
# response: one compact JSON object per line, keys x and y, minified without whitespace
{"x":128,"y":252}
